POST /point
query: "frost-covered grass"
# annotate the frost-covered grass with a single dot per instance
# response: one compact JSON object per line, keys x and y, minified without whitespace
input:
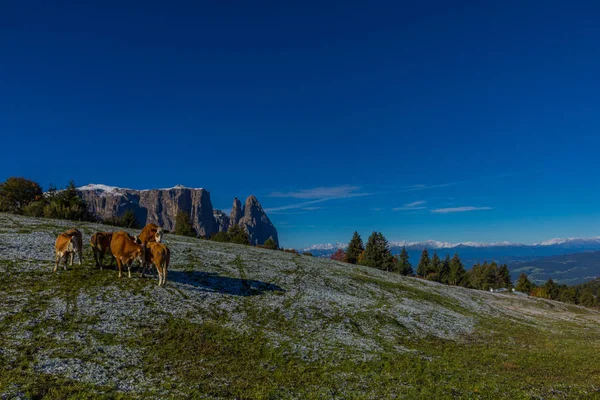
{"x":241,"y":322}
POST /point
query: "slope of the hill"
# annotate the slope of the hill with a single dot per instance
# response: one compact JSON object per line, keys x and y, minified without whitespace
{"x":236,"y":321}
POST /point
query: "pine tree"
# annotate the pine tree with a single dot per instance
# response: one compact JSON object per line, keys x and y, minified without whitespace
{"x":377,"y":252}
{"x":128,"y":220}
{"x":457,"y":271}
{"x":270,"y":244}
{"x":355,"y":247}
{"x":504,"y":277}
{"x":586,"y":298}
{"x":238,"y":234}
{"x":445,"y":270}
{"x":552,"y":289}
{"x":404,"y":267}
{"x":433,"y":270}
{"x":423,"y":264}
{"x":183,"y":224}
{"x":523,"y":284}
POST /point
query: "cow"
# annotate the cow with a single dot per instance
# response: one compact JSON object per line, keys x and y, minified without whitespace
{"x":67,"y":244}
{"x":100,"y":243}
{"x":150,"y":233}
{"x":126,"y":251}
{"x":159,"y":255}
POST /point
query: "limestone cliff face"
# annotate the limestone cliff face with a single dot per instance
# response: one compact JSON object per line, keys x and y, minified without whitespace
{"x":222,"y":220}
{"x":160,"y":206}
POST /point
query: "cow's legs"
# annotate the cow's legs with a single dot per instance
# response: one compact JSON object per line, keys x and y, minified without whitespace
{"x":71,"y":256}
{"x":120,"y":266}
{"x":57,"y":260}
{"x":80,"y":253}
{"x":129,"y":270}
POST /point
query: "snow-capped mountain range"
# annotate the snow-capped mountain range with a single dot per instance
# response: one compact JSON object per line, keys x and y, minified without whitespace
{"x":435,"y":244}
{"x":472,"y":252}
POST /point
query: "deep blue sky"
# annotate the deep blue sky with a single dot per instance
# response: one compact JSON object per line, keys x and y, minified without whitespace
{"x":352,"y":109}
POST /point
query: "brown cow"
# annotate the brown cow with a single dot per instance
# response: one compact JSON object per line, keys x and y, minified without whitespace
{"x":159,"y":255}
{"x":100,"y":243}
{"x":150,"y":233}
{"x":125,"y":251}
{"x":67,"y":244}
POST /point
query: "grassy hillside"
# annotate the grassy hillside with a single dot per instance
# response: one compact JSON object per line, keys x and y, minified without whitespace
{"x":237,"y":321}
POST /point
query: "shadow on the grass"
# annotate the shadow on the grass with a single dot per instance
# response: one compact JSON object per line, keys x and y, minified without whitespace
{"x":211,"y":282}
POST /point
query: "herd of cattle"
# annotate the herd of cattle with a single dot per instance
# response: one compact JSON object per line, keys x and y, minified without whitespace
{"x":146,"y":249}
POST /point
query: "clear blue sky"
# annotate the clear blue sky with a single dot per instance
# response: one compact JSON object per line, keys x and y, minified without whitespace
{"x":423,"y":120}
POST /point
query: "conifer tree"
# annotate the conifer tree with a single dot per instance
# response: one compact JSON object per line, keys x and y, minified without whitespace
{"x":423,"y":264}
{"x":377,"y":252}
{"x":523,"y":284}
{"x":433,"y":270}
{"x":445,"y":270}
{"x":504,"y":277}
{"x":457,"y":271}
{"x":404,"y":267}
{"x":183,"y":224}
{"x":355,"y":247}
{"x":238,"y":234}
{"x":270,"y":244}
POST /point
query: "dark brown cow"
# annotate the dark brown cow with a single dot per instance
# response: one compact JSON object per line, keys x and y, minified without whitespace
{"x":67,"y":244}
{"x":100,"y":243}
{"x":159,"y":255}
{"x":126,"y":251}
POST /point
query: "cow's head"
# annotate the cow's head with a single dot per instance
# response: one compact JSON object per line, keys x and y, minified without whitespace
{"x":158,"y":235}
{"x":140,"y":254}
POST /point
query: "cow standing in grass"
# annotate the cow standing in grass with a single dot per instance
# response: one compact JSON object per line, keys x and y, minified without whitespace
{"x":100,"y":243}
{"x":126,"y":251}
{"x":67,"y":244}
{"x":150,"y":233}
{"x":159,"y":255}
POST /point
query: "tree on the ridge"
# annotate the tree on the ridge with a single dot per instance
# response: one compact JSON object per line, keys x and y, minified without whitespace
{"x":270,"y":244}
{"x":457,"y":271}
{"x":423,"y":264}
{"x":433,"y":270}
{"x":523,"y":284}
{"x":445,"y":270}
{"x":183,"y":224}
{"x":586,"y":298}
{"x":238,"y":234}
{"x":355,"y":247}
{"x":552,"y":289}
{"x":222,"y":237}
{"x":377,"y":253}
{"x":504,"y":277}
{"x":339,"y":255}
{"x":404,"y":266}
{"x":16,"y":193}
{"x":128,"y":220}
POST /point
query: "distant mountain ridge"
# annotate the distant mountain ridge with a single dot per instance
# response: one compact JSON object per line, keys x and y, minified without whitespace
{"x":161,"y":206}
{"x":592,"y":242}
{"x":540,"y":260}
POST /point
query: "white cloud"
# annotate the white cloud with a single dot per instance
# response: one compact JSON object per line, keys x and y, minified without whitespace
{"x":459,"y":209}
{"x":320,"y":195}
{"x":415,"y":205}
{"x":323,"y":192}
{"x":414,"y":188}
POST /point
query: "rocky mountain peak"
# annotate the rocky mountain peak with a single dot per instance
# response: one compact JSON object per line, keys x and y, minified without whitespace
{"x":257,"y":222}
{"x":237,"y":212}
